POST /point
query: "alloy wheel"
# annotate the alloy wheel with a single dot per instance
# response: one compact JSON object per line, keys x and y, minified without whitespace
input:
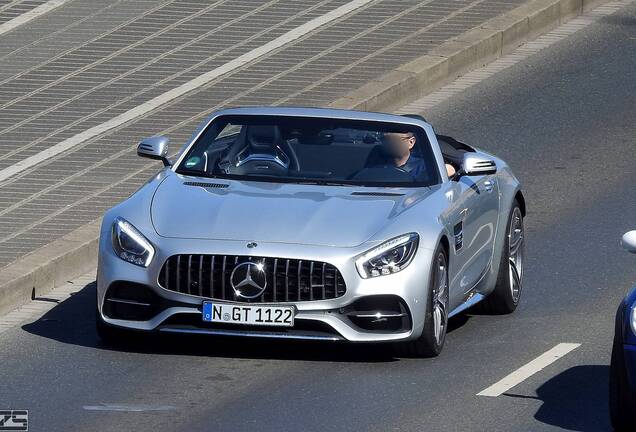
{"x":515,"y":253}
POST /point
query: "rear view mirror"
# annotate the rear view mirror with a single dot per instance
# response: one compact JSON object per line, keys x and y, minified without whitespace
{"x":474,"y":165}
{"x":154,"y":148}
{"x":629,"y":241}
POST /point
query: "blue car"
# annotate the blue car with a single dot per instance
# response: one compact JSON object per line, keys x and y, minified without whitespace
{"x":623,"y":363}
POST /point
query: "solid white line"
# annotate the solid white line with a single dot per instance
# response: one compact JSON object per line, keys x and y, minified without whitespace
{"x":526,"y":371}
{"x":187,"y":87}
{"x":32,"y":14}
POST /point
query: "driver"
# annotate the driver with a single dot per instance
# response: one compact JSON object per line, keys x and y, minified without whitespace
{"x":397,"y":148}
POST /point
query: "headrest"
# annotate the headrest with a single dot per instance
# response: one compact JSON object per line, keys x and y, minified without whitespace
{"x":263,"y":137}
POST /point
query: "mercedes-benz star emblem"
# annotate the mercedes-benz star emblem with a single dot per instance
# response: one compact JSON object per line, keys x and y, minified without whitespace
{"x":248,"y":280}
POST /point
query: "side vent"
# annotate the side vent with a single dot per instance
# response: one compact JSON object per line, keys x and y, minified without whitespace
{"x":207,"y":185}
{"x":458,"y":233}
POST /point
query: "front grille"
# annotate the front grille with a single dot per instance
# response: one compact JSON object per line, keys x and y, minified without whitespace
{"x":288,"y":280}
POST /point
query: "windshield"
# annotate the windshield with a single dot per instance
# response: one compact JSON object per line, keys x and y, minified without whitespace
{"x":312,"y":150}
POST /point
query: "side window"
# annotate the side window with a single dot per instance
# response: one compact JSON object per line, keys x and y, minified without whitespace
{"x":229,"y":130}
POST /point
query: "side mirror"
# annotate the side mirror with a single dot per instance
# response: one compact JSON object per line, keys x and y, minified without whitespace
{"x":629,"y":241}
{"x":474,"y":165}
{"x":154,"y":148}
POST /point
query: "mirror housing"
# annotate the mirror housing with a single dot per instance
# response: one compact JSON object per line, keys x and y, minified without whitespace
{"x":154,"y":148}
{"x":629,"y":241}
{"x":474,"y":165}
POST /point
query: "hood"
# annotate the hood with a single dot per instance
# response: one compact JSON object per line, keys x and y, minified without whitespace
{"x":273,"y":212}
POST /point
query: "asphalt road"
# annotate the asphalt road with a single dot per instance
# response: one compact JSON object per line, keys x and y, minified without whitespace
{"x":565,"y":121}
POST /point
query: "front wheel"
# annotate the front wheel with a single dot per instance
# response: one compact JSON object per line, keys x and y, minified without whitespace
{"x":505,"y":297}
{"x":431,"y":341}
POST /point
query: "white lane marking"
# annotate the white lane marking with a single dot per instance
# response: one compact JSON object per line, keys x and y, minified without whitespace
{"x":519,"y":54}
{"x":529,"y":369}
{"x":187,"y":87}
{"x":32,"y":14}
{"x":128,"y":407}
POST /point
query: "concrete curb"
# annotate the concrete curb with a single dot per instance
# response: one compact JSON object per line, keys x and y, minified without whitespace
{"x":476,"y":48}
{"x":48,"y":267}
{"x":76,"y":253}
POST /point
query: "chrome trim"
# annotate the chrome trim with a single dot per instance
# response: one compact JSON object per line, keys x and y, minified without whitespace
{"x":129,"y":302}
{"x":378,"y":315}
{"x":268,"y":335}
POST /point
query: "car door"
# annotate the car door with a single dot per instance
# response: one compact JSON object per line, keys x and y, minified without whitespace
{"x":474,"y":219}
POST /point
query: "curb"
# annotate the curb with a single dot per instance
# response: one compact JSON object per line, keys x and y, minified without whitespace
{"x":53,"y":265}
{"x":75,"y":254}
{"x":475,"y":48}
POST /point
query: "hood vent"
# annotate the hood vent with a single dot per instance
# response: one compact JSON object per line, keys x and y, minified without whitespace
{"x":378,"y":194}
{"x":207,"y":185}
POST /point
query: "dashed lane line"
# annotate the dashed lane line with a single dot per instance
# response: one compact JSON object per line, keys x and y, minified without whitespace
{"x":128,"y":407}
{"x":529,"y":369}
{"x":187,"y":87}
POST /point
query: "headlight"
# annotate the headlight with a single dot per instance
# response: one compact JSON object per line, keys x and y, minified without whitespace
{"x":390,"y":257}
{"x":130,"y":245}
{"x":632,"y":320}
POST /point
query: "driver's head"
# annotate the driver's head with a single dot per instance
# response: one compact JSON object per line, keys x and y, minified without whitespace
{"x":398,"y":144}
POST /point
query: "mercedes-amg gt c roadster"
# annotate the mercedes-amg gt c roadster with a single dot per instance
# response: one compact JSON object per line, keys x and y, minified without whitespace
{"x":313,"y":224}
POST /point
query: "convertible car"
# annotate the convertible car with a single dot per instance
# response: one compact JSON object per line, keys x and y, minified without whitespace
{"x":313,"y":224}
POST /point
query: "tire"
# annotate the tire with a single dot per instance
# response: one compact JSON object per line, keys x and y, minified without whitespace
{"x":504,"y":299}
{"x":431,"y":341}
{"x":622,"y":401}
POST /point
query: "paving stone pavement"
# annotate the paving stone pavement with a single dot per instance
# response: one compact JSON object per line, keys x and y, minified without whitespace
{"x":86,"y":62}
{"x":10,"y":9}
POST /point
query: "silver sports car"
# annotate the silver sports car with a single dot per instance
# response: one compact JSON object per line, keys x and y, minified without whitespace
{"x":313,"y":224}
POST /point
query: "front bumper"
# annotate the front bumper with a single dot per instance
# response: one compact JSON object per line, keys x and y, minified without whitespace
{"x":404,"y":292}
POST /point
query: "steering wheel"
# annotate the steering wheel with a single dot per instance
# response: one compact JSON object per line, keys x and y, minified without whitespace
{"x":389,"y":173}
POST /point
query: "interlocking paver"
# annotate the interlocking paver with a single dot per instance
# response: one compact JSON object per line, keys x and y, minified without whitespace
{"x":156,"y":46}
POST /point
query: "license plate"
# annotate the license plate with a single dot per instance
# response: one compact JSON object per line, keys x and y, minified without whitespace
{"x":248,"y":314}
